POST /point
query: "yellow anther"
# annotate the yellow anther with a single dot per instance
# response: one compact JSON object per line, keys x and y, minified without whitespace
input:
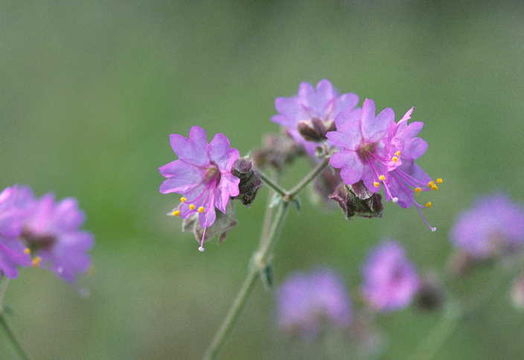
{"x":434,"y":187}
{"x":397,"y":153}
{"x":431,"y":183}
{"x":394,"y":159}
{"x":192,"y":207}
{"x":428,"y":204}
{"x":201,"y":209}
{"x":27,"y":251}
{"x":376,"y":184}
{"x":440,"y":180}
{"x":36,"y":261}
{"x":176,"y":213}
{"x":382,"y":178}
{"x":417,"y":189}
{"x":183,"y":199}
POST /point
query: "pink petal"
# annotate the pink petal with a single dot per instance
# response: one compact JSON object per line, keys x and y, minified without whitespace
{"x":188,"y":150}
{"x":227,"y":188}
{"x":219,"y":150}
{"x":208,"y":217}
{"x":374,"y":128}
{"x":181,"y":177}
{"x":198,"y":136}
{"x":352,"y":169}
{"x":415,"y":148}
{"x":345,"y":102}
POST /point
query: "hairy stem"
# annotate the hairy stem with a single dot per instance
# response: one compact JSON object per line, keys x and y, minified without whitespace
{"x":260,"y":260}
{"x":308,"y":178}
{"x":262,"y":256}
{"x":5,"y":325}
{"x":273,"y":185}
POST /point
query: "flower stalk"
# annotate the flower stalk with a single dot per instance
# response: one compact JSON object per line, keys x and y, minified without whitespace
{"x":4,"y":282}
{"x":262,"y":256}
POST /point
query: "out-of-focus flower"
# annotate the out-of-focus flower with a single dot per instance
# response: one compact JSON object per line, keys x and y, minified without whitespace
{"x":308,"y":301}
{"x":380,"y":152}
{"x":390,"y":279}
{"x":48,"y":232}
{"x":14,"y":203}
{"x":493,"y":226}
{"x":278,"y":151}
{"x":517,"y":292}
{"x":202,"y":175}
{"x":310,"y":114}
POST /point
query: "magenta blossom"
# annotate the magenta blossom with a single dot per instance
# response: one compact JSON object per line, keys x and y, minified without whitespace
{"x":381,"y":152}
{"x":390,"y":279}
{"x":14,"y":203}
{"x":312,"y":105}
{"x":46,"y":233}
{"x":492,"y":226}
{"x":202,"y":175}
{"x":306,"y":301}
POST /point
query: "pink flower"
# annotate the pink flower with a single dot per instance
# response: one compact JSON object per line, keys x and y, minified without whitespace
{"x":390,"y":279}
{"x":381,"y":152}
{"x":316,"y":108}
{"x":14,"y":203}
{"x":202,"y":175}
{"x":42,"y":232}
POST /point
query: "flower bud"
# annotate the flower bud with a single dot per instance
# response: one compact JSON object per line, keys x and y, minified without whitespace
{"x":315,"y":129}
{"x":356,"y":200}
{"x":430,"y":295}
{"x":249,"y":180}
{"x":278,"y":150}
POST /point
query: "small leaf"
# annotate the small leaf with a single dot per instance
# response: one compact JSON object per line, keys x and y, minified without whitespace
{"x":296,"y":202}
{"x":276,"y":200}
{"x":266,"y":275}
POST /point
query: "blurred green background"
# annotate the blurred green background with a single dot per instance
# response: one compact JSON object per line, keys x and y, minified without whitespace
{"x":90,"y":91}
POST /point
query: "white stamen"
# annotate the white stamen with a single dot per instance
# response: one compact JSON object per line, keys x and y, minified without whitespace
{"x":201,"y":249}
{"x":395,"y":199}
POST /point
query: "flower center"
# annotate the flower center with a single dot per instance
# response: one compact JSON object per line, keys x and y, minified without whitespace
{"x":212,"y":174}
{"x":365,"y":151}
{"x":37,"y":242}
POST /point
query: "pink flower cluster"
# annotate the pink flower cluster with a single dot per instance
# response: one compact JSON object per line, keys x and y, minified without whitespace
{"x":368,"y":147}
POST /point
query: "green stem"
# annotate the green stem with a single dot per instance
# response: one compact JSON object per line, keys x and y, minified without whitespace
{"x":438,"y":335}
{"x":260,"y":260}
{"x":308,"y":178}
{"x":273,"y":185}
{"x":5,"y":325}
